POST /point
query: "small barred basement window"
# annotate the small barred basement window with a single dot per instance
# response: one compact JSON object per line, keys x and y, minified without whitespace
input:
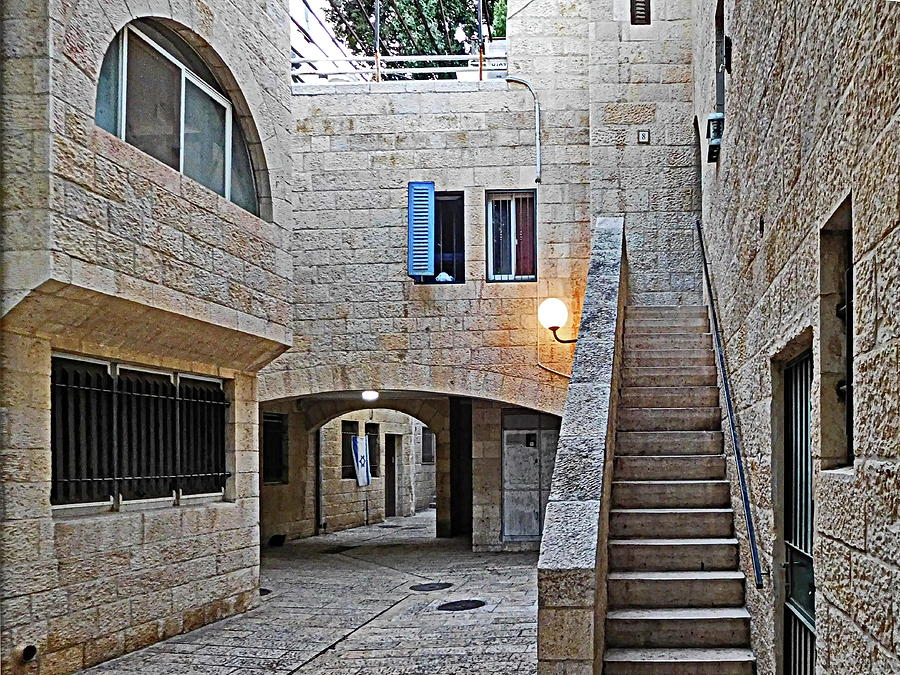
{"x":640,"y":12}
{"x":120,"y":432}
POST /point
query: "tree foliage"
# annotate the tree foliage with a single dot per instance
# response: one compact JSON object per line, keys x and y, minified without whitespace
{"x":412,"y":26}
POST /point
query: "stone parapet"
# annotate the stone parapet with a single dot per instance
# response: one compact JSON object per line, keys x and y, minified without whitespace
{"x":572,"y":564}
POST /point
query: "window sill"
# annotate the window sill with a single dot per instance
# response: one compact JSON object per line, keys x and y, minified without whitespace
{"x":63,"y":511}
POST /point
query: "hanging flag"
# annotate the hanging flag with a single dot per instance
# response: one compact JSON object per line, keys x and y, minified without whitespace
{"x":361,"y":460}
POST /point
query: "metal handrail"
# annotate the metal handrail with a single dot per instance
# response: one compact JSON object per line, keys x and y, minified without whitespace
{"x":732,"y":420}
{"x":380,"y":65}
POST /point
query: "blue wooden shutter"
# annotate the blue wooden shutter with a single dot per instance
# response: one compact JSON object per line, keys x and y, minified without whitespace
{"x":420,"y":247}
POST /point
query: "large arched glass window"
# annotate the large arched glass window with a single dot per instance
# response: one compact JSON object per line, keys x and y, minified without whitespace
{"x":157,"y":94}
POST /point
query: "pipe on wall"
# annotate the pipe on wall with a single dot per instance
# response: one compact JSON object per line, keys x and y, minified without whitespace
{"x":537,"y":125}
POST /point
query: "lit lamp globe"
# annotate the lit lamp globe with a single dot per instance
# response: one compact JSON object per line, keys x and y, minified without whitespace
{"x":370,"y":395}
{"x":553,"y":314}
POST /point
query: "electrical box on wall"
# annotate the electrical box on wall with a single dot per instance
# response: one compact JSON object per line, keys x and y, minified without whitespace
{"x":715,"y":128}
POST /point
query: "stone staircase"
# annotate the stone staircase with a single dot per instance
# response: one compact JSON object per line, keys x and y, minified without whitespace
{"x":675,"y":591}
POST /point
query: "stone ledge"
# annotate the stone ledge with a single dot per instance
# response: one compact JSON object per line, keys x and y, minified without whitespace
{"x":573,"y":534}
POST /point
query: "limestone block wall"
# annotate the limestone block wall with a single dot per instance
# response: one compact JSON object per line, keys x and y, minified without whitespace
{"x":641,"y":81}
{"x":347,"y":505}
{"x":363,"y":322}
{"x":806,"y":128}
{"x":290,"y":509}
{"x":85,"y":208}
{"x":86,"y":588}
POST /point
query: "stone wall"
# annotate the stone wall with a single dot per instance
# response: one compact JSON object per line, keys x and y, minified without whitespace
{"x":806,"y":127}
{"x":347,"y":505}
{"x":572,"y":563}
{"x":86,"y":588}
{"x":424,"y":488}
{"x":108,"y":253}
{"x":83,"y":207}
{"x":363,"y":322}
{"x":640,"y":80}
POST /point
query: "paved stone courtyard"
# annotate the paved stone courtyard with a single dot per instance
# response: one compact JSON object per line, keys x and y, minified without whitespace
{"x":341,"y":603}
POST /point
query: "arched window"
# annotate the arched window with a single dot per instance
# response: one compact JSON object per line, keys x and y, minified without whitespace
{"x":157,"y":94}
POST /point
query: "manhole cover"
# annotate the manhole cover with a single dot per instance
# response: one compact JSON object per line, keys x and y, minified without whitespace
{"x":264,"y":591}
{"x":387,"y":527}
{"x":434,"y":586}
{"x":338,"y":549}
{"x":460,"y":605}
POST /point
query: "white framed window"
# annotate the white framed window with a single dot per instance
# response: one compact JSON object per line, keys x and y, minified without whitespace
{"x":511,"y":236}
{"x":155,"y":93}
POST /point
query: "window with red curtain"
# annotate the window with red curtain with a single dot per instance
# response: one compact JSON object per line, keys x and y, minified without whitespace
{"x":512,"y":236}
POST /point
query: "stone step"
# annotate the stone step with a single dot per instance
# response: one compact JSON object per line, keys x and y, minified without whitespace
{"x":678,"y":523}
{"x":654,"y":443}
{"x":669,"y":419}
{"x":678,"y":627}
{"x":679,"y":661}
{"x":666,"y":358}
{"x":670,"y":376}
{"x":670,"y":494}
{"x":673,"y":324}
{"x":665,"y":311}
{"x":667,"y":467}
{"x":668,"y":341}
{"x":722,"y":588}
{"x":673,"y":554}
{"x":669,"y":397}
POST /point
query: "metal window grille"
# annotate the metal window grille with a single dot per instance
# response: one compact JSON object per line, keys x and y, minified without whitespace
{"x":427,"y":446}
{"x":512,"y":236}
{"x":118,"y":433}
{"x":373,"y":434}
{"x":799,"y":611}
{"x":348,"y":431}
{"x":640,"y":12}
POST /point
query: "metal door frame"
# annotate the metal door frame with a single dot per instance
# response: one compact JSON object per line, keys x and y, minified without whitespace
{"x":797,"y":502}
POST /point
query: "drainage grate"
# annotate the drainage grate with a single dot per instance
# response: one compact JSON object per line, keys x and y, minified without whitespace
{"x":264,"y":591}
{"x":460,"y":605}
{"x":388,"y":527}
{"x":414,"y":527}
{"x":433,"y":586}
{"x":338,"y":549}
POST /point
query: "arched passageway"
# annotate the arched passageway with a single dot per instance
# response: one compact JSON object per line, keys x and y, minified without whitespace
{"x":492,"y":466}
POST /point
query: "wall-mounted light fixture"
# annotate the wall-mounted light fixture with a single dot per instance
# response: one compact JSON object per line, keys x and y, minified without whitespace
{"x":370,"y":395}
{"x":553,"y":315}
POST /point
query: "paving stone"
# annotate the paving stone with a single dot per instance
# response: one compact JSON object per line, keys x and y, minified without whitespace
{"x":353,"y":612}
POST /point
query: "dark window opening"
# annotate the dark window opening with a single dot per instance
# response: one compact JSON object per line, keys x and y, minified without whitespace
{"x":428,"y":443}
{"x":449,"y":239}
{"x":640,"y":12}
{"x":275,"y":448}
{"x":720,"y":56}
{"x":120,"y":432}
{"x":373,"y":434}
{"x":512,"y":236}
{"x":348,"y":431}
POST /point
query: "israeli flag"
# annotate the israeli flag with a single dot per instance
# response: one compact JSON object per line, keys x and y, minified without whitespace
{"x":361,"y":460}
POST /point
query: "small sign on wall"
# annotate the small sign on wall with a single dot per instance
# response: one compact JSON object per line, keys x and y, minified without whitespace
{"x":643,"y":136}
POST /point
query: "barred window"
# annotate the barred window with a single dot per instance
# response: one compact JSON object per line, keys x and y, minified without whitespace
{"x":120,"y":432}
{"x":373,"y":434}
{"x":427,"y":446}
{"x":348,"y":464}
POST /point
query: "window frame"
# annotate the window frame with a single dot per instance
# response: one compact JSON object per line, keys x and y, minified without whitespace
{"x":182,"y":493}
{"x":428,"y":432}
{"x":490,"y":276}
{"x":187,"y":75}
{"x":370,"y":433}
{"x":284,"y":478}
{"x":352,"y":465}
{"x":438,"y":241}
